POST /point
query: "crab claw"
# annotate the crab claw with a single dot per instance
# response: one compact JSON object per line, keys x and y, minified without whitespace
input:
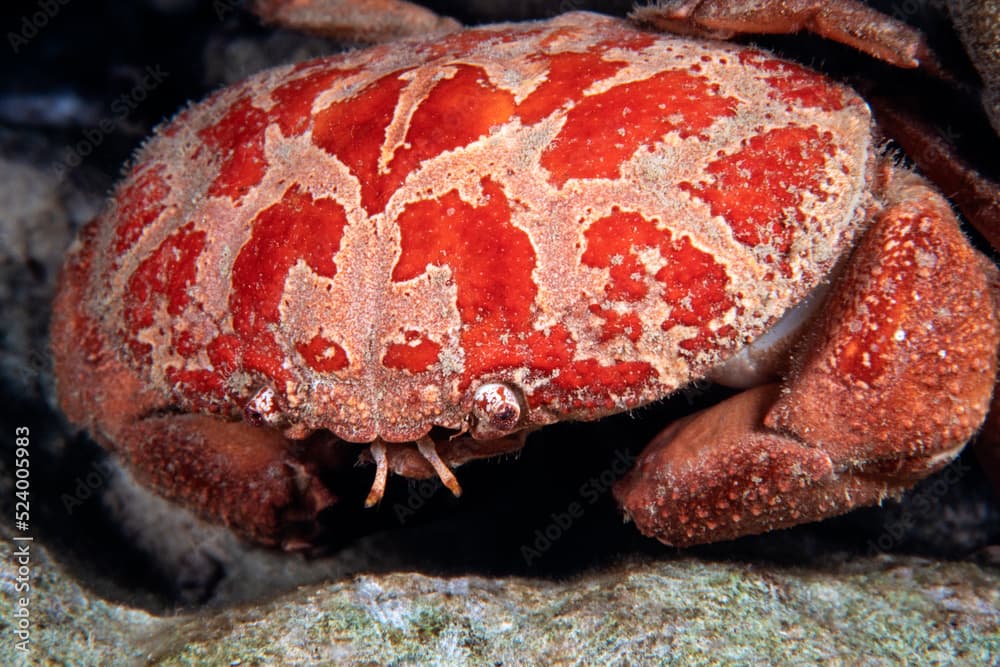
{"x":894,"y":377}
{"x":721,"y":473}
{"x":255,"y":480}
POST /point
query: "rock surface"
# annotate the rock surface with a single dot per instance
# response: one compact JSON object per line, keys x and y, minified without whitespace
{"x":683,"y":611}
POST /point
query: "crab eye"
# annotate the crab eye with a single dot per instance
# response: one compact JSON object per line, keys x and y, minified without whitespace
{"x":496,"y":406}
{"x":261,"y":410}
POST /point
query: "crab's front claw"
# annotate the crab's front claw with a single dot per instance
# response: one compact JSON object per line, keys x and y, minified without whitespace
{"x":895,"y":376}
{"x":721,"y":473}
{"x":248,"y":478}
{"x":254,"y":480}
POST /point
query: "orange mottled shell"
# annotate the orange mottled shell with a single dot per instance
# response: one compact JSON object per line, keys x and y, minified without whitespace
{"x":589,"y":213}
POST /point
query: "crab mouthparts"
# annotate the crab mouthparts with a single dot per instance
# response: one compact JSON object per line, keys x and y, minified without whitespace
{"x":428,"y":450}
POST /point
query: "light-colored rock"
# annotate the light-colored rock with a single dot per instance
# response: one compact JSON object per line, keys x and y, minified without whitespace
{"x":873,"y":611}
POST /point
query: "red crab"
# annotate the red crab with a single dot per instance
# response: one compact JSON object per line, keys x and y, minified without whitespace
{"x":506,"y":226}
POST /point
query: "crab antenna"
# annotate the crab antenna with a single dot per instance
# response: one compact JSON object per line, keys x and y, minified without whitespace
{"x":429,"y":451}
{"x":381,"y":473}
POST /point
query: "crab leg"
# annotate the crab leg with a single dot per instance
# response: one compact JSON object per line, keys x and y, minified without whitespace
{"x":846,"y":21}
{"x":369,"y":21}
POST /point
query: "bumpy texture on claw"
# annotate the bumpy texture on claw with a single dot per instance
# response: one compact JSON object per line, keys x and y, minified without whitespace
{"x":896,"y":376}
{"x":902,"y":365}
{"x":720,"y":474}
